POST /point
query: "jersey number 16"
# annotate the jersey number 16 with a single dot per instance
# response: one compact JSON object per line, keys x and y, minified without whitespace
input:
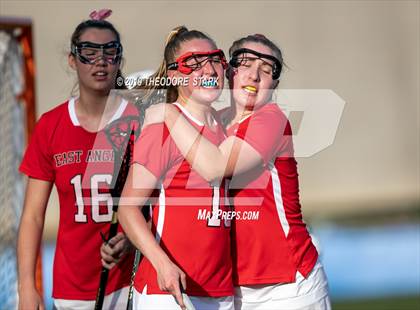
{"x":95,"y":196}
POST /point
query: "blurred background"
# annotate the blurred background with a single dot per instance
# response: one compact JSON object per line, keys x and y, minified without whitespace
{"x":360,"y":196}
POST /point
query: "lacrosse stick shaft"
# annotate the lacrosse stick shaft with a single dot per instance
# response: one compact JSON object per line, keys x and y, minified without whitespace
{"x":187,"y":301}
{"x":133,"y":274}
{"x":115,"y":193}
{"x":100,"y":296}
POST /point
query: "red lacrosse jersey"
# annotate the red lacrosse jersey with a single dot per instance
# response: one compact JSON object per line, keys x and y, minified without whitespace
{"x":81,"y":165}
{"x":270,"y":240}
{"x":187,"y":220}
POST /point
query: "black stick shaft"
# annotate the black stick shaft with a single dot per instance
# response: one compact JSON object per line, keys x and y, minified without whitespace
{"x":101,"y":291}
{"x":115,"y":193}
{"x":133,"y":274}
{"x":100,"y":296}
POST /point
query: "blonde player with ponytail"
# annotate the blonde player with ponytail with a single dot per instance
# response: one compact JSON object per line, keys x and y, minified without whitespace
{"x":182,"y":251}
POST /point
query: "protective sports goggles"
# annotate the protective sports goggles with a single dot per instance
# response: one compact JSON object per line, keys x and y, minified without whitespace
{"x":192,"y":61}
{"x":89,"y":52}
{"x":239,"y":59}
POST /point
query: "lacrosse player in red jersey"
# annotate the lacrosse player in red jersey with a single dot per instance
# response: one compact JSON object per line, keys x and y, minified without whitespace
{"x":275,"y":263}
{"x":74,"y":147}
{"x":184,"y":250}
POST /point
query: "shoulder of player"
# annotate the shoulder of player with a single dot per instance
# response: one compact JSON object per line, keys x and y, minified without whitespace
{"x":271,"y":110}
{"x":47,"y":125}
{"x":156,"y":130}
{"x":55,"y":115}
{"x":271,"y":107}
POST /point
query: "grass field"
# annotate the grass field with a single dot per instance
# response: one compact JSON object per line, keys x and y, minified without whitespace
{"x":400,"y":303}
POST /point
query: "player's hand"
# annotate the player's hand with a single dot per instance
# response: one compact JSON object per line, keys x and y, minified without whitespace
{"x":159,"y":113}
{"x":29,"y":299}
{"x":114,"y":249}
{"x":170,"y":277}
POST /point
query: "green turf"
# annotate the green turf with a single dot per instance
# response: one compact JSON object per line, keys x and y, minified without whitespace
{"x":400,"y":303}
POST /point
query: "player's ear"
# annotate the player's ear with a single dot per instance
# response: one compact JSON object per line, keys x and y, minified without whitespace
{"x":172,"y":73}
{"x":72,"y":61}
{"x":275,"y":84}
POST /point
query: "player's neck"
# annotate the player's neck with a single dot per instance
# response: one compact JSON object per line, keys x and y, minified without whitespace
{"x":240,"y":113}
{"x":93,"y":110}
{"x":200,"y":111}
{"x":92,"y":104}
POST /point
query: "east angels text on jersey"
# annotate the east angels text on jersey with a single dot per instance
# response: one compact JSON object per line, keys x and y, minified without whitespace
{"x":75,"y":157}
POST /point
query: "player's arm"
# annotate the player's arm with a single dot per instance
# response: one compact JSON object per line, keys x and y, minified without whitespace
{"x":212,"y":162}
{"x":29,"y":239}
{"x":138,"y":187}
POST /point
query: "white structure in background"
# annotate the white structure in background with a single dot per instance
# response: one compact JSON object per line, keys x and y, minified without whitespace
{"x":12,"y":139}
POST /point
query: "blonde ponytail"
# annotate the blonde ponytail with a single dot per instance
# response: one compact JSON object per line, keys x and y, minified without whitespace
{"x":173,"y":41}
{"x":152,"y":90}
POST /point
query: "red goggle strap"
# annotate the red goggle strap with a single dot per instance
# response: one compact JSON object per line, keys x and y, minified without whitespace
{"x":179,"y":62}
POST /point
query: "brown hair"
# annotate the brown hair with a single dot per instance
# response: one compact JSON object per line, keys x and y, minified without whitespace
{"x":99,"y":24}
{"x":257,"y":38}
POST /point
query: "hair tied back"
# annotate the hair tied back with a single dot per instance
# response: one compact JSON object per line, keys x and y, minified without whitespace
{"x":259,"y":35}
{"x":175,"y":32}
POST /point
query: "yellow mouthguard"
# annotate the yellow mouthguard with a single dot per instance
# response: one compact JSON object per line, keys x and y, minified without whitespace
{"x":251,"y":88}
